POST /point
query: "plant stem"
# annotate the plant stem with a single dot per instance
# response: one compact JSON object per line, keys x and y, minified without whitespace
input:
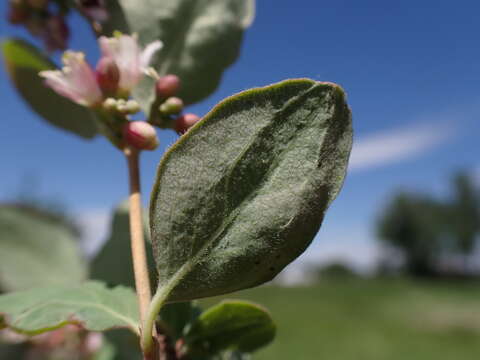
{"x":156,"y":304}
{"x":140,"y":268}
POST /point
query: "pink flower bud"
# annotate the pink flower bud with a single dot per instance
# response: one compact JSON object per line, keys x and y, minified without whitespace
{"x":167,"y":86}
{"x":108,"y":75}
{"x":93,"y":342}
{"x":185,"y":122}
{"x":141,"y":135}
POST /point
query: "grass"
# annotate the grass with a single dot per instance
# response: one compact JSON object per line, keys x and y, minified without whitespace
{"x":372,"y":320}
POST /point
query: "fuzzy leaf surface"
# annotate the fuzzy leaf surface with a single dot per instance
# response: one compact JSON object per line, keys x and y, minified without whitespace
{"x":244,"y":192}
{"x":23,"y":63}
{"x":35,"y":251}
{"x":230,"y":325}
{"x":201,"y":38}
{"x":91,"y":305}
{"x":113,"y":263}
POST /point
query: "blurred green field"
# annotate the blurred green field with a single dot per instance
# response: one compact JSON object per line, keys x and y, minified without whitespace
{"x":372,"y":320}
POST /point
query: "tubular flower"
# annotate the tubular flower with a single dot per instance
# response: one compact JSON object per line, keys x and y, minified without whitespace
{"x":76,"y":81}
{"x":131,"y":60}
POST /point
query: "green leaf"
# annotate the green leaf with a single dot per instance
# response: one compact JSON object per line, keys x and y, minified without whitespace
{"x":90,"y":305}
{"x":178,"y":315}
{"x":36,"y":250}
{"x":201,"y":37}
{"x":24,"y":62}
{"x":113,"y":263}
{"x":233,"y":325}
{"x":244,"y":192}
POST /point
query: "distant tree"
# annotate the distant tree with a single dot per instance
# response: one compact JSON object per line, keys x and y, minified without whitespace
{"x":414,"y":224}
{"x":464,"y":215}
{"x":425,"y":229}
{"x":333,"y":270}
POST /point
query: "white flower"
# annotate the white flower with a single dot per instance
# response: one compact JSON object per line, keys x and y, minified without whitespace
{"x":76,"y":81}
{"x":131,"y":61}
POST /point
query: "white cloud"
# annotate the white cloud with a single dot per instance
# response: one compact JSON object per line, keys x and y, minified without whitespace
{"x":398,"y":144}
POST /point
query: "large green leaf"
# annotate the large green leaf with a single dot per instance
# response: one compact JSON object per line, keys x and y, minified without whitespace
{"x":244,"y":192}
{"x":113,"y":264}
{"x":201,"y":37}
{"x":91,"y":305}
{"x":233,"y":325}
{"x":24,"y":62}
{"x":35,"y":250}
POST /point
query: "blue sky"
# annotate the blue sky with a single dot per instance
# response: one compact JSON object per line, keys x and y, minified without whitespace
{"x":411,"y":70}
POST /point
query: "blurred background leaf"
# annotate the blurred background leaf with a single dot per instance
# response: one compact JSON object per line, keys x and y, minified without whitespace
{"x":36,"y":248}
{"x":113,"y":263}
{"x":201,"y":37}
{"x":24,"y":61}
{"x":91,"y":305}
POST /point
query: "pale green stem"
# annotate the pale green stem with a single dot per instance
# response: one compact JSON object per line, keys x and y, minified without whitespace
{"x":156,"y":304}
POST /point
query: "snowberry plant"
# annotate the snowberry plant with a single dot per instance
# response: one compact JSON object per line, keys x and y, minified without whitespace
{"x":240,"y":195}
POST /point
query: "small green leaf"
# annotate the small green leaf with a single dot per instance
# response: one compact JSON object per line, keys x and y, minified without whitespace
{"x":244,"y":192}
{"x":232,"y":325}
{"x":113,"y":263}
{"x":35,"y":251}
{"x":24,"y":62}
{"x":178,"y":315}
{"x":90,"y":305}
{"x":201,"y":38}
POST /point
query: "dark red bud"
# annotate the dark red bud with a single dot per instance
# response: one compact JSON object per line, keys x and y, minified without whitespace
{"x":17,"y":15}
{"x":167,"y":86}
{"x":108,"y":75}
{"x":141,"y":135}
{"x":94,"y":9}
{"x":38,"y":4}
{"x":57,"y":33}
{"x":185,"y":122}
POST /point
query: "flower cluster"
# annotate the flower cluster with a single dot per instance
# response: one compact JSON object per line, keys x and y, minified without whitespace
{"x":107,"y":88}
{"x":118,"y":71}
